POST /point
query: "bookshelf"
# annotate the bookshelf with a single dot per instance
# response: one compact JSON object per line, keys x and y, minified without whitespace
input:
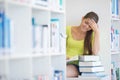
{"x":115,"y":39}
{"x":29,"y":51}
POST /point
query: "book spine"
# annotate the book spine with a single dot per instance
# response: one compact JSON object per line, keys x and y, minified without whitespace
{"x":60,"y":4}
{"x":2,"y":15}
{"x":1,"y":30}
{"x":45,"y":38}
{"x":7,"y":33}
{"x":88,"y":63}
{"x":55,"y":34}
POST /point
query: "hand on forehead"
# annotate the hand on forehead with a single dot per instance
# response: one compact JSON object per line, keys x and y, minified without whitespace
{"x":90,"y":21}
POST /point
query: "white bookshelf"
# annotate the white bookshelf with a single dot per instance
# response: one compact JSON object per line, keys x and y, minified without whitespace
{"x":17,"y":3}
{"x":21,"y":61}
{"x":115,"y":22}
{"x":115,"y":53}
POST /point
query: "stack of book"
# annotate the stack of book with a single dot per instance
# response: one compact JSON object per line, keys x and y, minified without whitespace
{"x":91,"y":66}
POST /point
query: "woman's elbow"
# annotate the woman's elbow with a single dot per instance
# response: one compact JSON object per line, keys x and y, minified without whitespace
{"x":96,"y":51}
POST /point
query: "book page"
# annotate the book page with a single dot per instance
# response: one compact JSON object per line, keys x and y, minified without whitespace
{"x":72,"y":59}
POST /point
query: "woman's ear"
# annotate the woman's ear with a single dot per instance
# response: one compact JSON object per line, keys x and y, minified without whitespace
{"x":82,"y":17}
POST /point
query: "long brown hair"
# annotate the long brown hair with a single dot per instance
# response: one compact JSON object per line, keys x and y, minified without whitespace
{"x":88,"y":37}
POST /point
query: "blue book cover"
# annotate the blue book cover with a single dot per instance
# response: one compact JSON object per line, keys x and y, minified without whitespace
{"x":1,"y":28}
{"x":1,"y":31}
{"x":113,"y":6}
{"x":117,"y":8}
{"x":7,"y":32}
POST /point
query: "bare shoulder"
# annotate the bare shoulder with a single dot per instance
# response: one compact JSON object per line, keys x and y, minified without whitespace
{"x":73,"y":28}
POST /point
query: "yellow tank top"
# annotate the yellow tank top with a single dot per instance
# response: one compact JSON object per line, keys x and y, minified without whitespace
{"x":73,"y":47}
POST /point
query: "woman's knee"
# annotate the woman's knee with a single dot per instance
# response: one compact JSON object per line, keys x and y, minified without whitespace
{"x":72,"y":71}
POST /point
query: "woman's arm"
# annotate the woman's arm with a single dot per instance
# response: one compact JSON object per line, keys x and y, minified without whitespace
{"x":96,"y":40}
{"x":96,"y":43}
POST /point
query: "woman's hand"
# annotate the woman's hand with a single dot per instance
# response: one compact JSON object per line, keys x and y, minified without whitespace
{"x":96,"y":42}
{"x":93,"y":25}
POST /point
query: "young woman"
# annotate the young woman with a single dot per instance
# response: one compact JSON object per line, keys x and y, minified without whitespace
{"x":82,"y":40}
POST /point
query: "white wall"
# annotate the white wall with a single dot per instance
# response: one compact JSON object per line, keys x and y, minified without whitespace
{"x":75,"y":9}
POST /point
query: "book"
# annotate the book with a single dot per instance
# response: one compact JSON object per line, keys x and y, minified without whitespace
{"x":45,"y":36}
{"x":93,"y":78}
{"x":55,"y":34}
{"x":2,"y":15}
{"x":7,"y":32}
{"x":91,"y":69}
{"x":41,"y":2}
{"x":93,"y":74}
{"x":89,"y":58}
{"x":12,"y":36}
{"x":37,"y":37}
{"x":1,"y":31}
{"x":90,"y":63}
{"x":113,"y":71}
{"x":89,"y":78}
{"x":75,"y":58}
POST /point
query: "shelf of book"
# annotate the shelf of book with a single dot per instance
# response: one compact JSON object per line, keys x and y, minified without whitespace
{"x":15,"y":57}
{"x":40,"y":7}
{"x":115,"y":39}
{"x":115,"y":52}
{"x":27,"y":48}
{"x":40,"y":55}
{"x":18,"y":3}
{"x":115,"y":19}
{"x":58,"y":11}
{"x":56,"y":54}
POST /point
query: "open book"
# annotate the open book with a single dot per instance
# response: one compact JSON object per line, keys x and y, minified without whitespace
{"x":72,"y":59}
{"x":84,"y":58}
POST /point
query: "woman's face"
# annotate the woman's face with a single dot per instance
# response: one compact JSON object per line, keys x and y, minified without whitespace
{"x":85,"y":25}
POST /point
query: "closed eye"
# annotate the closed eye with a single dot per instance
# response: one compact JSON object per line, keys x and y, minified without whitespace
{"x":86,"y":23}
